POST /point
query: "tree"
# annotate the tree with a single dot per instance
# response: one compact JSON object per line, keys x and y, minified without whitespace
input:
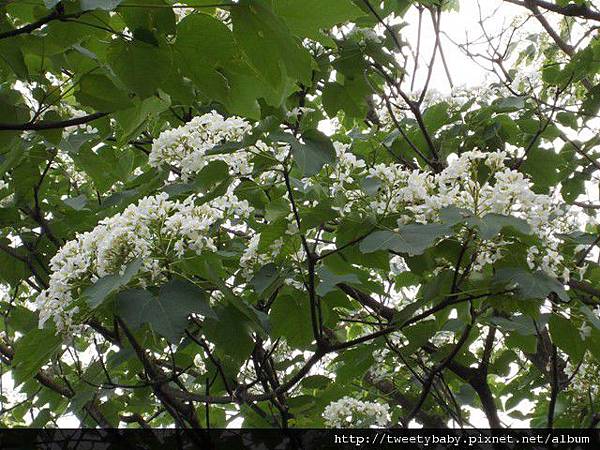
{"x":182,"y":244}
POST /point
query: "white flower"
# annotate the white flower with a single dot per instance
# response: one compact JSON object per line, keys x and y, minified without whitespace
{"x":585,"y":331}
{"x":349,"y":412}
{"x":199,"y":363}
{"x":295,"y":112}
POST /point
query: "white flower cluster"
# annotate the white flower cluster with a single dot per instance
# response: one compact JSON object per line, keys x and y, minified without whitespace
{"x":186,"y":147}
{"x":366,"y":35}
{"x":252,"y":258}
{"x":346,"y":164}
{"x":199,"y":363}
{"x":525,"y":80}
{"x":379,"y":370}
{"x":349,"y":412}
{"x":585,"y":383}
{"x":6,"y":197}
{"x":155,"y":230}
{"x":419,"y":196}
{"x":77,"y":177}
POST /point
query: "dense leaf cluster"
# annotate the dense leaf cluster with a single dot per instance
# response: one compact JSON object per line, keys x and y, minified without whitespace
{"x":340,"y":283}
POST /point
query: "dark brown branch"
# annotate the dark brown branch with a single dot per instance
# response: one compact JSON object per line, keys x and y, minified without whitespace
{"x":428,"y":383}
{"x":51,"y":124}
{"x":27,"y":261}
{"x":57,"y":14}
{"x":555,"y":388}
{"x":586,"y":205}
{"x":180,"y":411}
{"x":47,"y":381}
{"x":571,"y":10}
{"x":532,"y":5}
{"x":584,"y":287}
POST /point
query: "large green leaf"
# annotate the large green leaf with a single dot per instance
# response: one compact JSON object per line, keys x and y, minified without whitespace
{"x":108,"y":285}
{"x":412,"y":239}
{"x":267,"y":43}
{"x":131,"y":121}
{"x":265,"y":278}
{"x":141,"y":67}
{"x":148,"y":16}
{"x":290,"y":316}
{"x":315,"y":153}
{"x":204,"y":47}
{"x":231,"y":334}
{"x":349,"y":98}
{"x":99,"y":92}
{"x":536,"y":285}
{"x":491,"y":224}
{"x":167,"y":313}
{"x":566,"y":336}
{"x":329,"y":280}
{"x":308,"y":18}
{"x":32,"y":351}
{"x":311,"y":155}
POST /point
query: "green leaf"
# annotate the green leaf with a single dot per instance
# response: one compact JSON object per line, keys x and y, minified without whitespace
{"x":491,"y":224}
{"x":12,"y":270}
{"x":148,"y":15}
{"x":42,"y":418}
{"x":86,"y":388}
{"x":266,"y":277}
{"x":535,"y":285}
{"x":77,"y":203}
{"x":205,"y":46}
{"x":32,"y":351}
{"x":166,"y":313}
{"x":436,"y":116}
{"x":268,"y":45}
{"x":308,"y":17}
{"x":310,"y":156}
{"x":290,"y":318}
{"x":231,"y":333}
{"x":131,"y":120}
{"x":108,"y":285}
{"x":140,"y":66}
{"x":526,"y":343}
{"x":337,"y":97}
{"x":329,"y":280}
{"x":99,"y":92}
{"x":412,"y":239}
{"x":205,"y":40}
{"x":521,"y":324}
{"x":590,"y":315}
{"x":509,"y":104}
{"x":542,"y":166}
{"x":419,"y":334}
{"x":566,"y":337}
{"x":316,"y":382}
{"x":315,"y":153}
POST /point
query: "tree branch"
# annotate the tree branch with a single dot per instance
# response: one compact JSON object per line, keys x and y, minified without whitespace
{"x":51,"y":124}
{"x":571,"y":10}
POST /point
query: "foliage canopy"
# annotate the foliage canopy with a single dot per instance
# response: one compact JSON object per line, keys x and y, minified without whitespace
{"x":181,"y":243}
